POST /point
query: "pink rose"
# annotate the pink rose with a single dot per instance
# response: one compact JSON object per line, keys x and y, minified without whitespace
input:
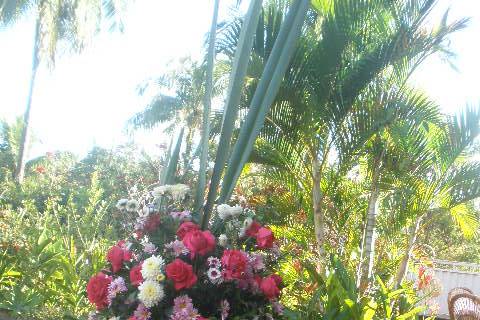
{"x":265,"y":238}
{"x":136,"y":277}
{"x":199,"y":242}
{"x":97,"y":290}
{"x":269,"y":286}
{"x":253,"y":229}
{"x":117,"y":255}
{"x":185,"y":228}
{"x":234,"y":263}
{"x":181,"y":273}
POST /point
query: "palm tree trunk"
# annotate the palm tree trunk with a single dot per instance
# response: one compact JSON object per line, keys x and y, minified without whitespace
{"x":22,"y":152}
{"x":368,"y":247}
{"x":412,"y":237}
{"x":318,"y":216}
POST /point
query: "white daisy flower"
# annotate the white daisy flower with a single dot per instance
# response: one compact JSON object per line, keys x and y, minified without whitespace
{"x":214,"y":262}
{"x":150,"y":293}
{"x":151,"y":267}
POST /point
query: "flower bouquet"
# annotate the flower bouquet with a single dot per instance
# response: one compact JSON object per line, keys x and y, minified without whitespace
{"x":169,"y":268}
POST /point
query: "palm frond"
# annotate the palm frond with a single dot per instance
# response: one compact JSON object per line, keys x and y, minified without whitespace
{"x":162,"y":109}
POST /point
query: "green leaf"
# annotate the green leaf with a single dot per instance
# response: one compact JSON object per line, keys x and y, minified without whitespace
{"x":199,"y":198}
{"x":265,"y":94}
{"x":237,"y":77}
{"x":169,"y":176}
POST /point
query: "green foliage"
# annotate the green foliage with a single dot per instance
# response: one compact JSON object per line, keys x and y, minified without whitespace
{"x":56,"y":227}
{"x":337,"y":297}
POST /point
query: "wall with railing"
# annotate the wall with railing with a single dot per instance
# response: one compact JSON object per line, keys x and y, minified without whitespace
{"x":455,"y":274}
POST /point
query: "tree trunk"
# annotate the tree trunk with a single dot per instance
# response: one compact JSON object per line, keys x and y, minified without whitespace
{"x":368,"y":250}
{"x":318,"y":216}
{"x":368,"y":243}
{"x":412,"y":237}
{"x":22,"y":152}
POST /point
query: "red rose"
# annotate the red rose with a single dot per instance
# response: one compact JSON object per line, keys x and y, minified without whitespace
{"x":181,"y":273}
{"x":253,"y":229}
{"x":136,"y":275}
{"x":235,"y":264}
{"x":185,"y":228}
{"x":265,"y":238}
{"x":116,"y":255}
{"x":152,"y":223}
{"x":269,"y":287}
{"x":200,"y":242}
{"x":97,"y":290}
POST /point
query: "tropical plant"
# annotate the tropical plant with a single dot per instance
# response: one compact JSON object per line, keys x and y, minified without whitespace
{"x":319,"y":111}
{"x":337,"y":297}
{"x":449,"y":185}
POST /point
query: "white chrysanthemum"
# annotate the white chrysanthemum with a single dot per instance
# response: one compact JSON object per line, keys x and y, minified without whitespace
{"x":178,"y":191}
{"x":223,"y":240}
{"x":151,"y":267}
{"x":150,"y":293}
{"x":223,"y":211}
{"x":235,"y":211}
{"x":160,"y":191}
{"x":122,"y":204}
{"x":132,"y":205}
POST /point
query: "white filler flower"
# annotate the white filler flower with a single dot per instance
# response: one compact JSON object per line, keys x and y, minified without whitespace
{"x":122,"y":204}
{"x":223,"y":240}
{"x":223,"y":211}
{"x":132,"y":205}
{"x":178,"y":191}
{"x":236,"y":211}
{"x":151,"y":267}
{"x":150,"y":293}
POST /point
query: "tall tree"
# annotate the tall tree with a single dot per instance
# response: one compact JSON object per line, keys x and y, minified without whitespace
{"x":71,"y":23}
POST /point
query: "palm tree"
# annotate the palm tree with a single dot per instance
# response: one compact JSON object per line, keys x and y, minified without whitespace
{"x":398,"y":141}
{"x":57,"y":22}
{"x":317,"y":111}
{"x":450,"y":184}
{"x":183,"y":108}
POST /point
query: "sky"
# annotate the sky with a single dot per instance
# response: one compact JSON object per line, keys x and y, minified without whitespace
{"x":87,"y":98}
